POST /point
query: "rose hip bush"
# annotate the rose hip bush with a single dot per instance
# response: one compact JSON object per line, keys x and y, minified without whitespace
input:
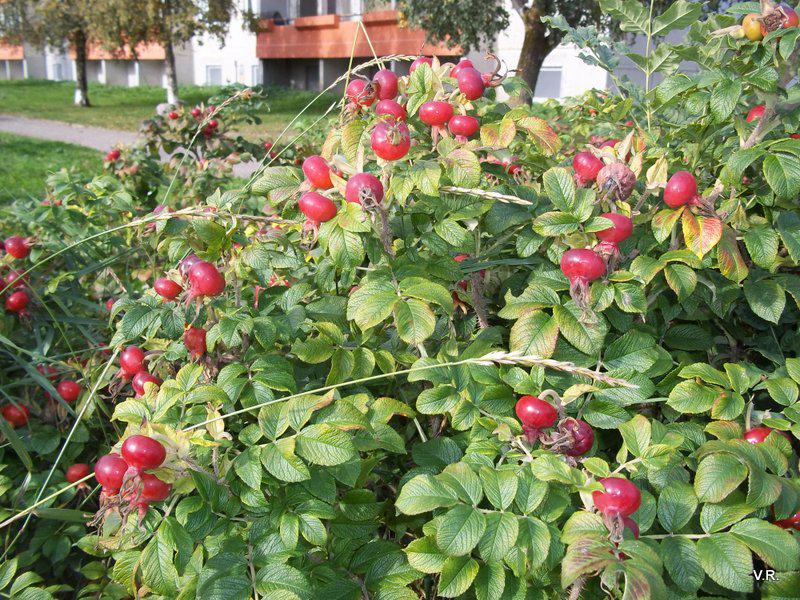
{"x":552,"y":356}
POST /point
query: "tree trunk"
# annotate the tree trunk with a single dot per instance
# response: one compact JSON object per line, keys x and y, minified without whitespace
{"x":172,"y":75}
{"x":535,"y":48}
{"x":81,"y":80}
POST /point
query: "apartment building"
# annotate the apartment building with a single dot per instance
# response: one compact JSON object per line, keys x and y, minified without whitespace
{"x":308,"y":43}
{"x":304,"y":44}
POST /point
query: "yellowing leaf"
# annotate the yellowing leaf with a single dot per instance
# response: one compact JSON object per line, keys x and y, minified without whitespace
{"x":701,"y":233}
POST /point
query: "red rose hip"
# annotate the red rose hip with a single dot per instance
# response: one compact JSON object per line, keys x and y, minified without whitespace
{"x":17,"y":416}
{"x":318,"y":172}
{"x":317,"y":207}
{"x":109,"y":470}
{"x":69,"y":391}
{"x":77,"y":472}
{"x":621,"y":497}
{"x":619,"y":232}
{"x":363,"y":187}
{"x":143,"y":453}
{"x":166,"y":288}
{"x":681,"y":189}
{"x":535,"y":412}
{"x":586,"y":166}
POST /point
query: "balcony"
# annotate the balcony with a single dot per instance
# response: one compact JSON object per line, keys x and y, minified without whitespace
{"x":11,"y":52}
{"x":143,"y":52}
{"x":330,"y":34}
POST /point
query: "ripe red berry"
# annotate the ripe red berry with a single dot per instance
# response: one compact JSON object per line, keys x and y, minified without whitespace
{"x":14,"y":279}
{"x":77,"y":472}
{"x":113,"y":155}
{"x":140,"y":379}
{"x":755,"y":113}
{"x":621,"y":497}
{"x":364,"y":187}
{"x":17,"y":302}
{"x":436,"y":113}
{"x":619,"y":232}
{"x":48,"y":371}
{"x":391,"y":108}
{"x":153,"y":489}
{"x":109,"y":470}
{"x":317,"y":172}
{"x":681,"y":189}
{"x":792,"y":522}
{"x":535,"y":412}
{"x":586,"y":166}
{"x":213,"y":124}
{"x":187,"y":263}
{"x":756,"y":435}
{"x":387,"y":84}
{"x":427,"y":60}
{"x":464,"y":63}
{"x":609,"y":143}
{"x":582,"y":437}
{"x":166,"y":288}
{"x":316,"y":207}
{"x":17,"y":416}
{"x":391,"y":141}
{"x":361,"y":93}
{"x":17,"y":246}
{"x":582,"y":264}
{"x":68,"y":390}
{"x":470,"y":83}
{"x":172,"y":115}
{"x":143,"y":453}
{"x":131,"y":361}
{"x":196,"y":112}
{"x":194,"y":338}
{"x":463,"y":126}
{"x":205,"y":280}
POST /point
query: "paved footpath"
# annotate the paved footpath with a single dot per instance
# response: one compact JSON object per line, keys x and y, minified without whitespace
{"x":83,"y":135}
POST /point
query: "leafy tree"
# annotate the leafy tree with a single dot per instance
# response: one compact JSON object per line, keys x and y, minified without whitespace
{"x":476,"y":23}
{"x":51,"y":23}
{"x":170,"y":23}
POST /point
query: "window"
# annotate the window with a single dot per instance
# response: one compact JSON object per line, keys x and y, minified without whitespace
{"x":256,"y":75}
{"x":549,"y":83}
{"x":213,"y":75}
{"x":308,"y":8}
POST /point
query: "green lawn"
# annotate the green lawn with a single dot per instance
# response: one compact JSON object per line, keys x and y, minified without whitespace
{"x":27,"y":162}
{"x":117,"y":107}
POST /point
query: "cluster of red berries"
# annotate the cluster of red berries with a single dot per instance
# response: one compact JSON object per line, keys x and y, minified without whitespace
{"x":124,"y":475}
{"x":574,"y":438}
{"x":584,"y":265}
{"x":132,"y":368}
{"x":17,"y":301}
{"x":390,"y":138}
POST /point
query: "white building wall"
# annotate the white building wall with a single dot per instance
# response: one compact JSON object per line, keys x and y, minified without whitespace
{"x":232,"y":61}
{"x":563,"y":72}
